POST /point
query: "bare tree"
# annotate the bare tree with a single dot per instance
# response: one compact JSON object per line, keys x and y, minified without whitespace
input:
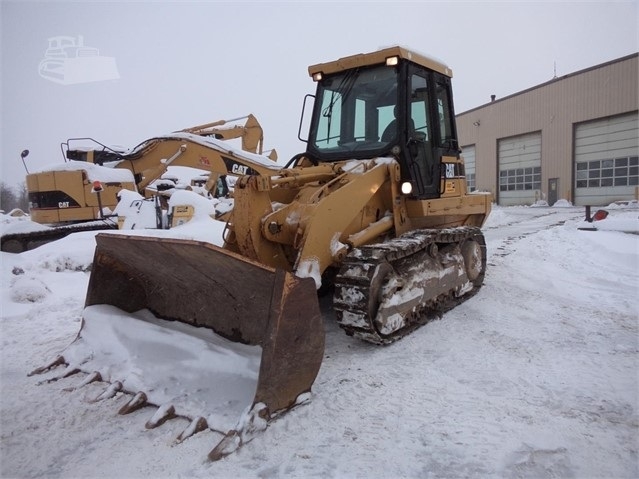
{"x":23,"y":197}
{"x":12,"y":197}
{"x":8,"y":199}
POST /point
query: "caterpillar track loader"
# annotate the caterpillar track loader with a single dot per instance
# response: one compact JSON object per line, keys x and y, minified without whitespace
{"x":376,"y":209}
{"x":64,"y":197}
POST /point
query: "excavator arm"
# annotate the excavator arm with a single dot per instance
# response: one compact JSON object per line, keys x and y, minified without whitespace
{"x":204,"y":147}
{"x":250,"y":132}
{"x":153,"y":158}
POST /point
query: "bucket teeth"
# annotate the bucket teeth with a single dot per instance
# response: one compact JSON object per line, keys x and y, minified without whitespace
{"x":252,"y":422}
{"x":69,"y":371}
{"x":163,"y":414}
{"x":228,"y":445}
{"x":198,"y":424}
{"x":138,"y":401}
{"x":58,"y":361}
{"x":91,"y":378}
{"x":109,"y":392}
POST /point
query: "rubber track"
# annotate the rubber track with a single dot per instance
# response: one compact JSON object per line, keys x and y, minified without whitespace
{"x":359,"y":267}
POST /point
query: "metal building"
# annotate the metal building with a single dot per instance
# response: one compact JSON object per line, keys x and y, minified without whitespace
{"x":575,"y":137}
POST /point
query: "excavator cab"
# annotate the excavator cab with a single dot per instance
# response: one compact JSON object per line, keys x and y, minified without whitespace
{"x":396,"y":108}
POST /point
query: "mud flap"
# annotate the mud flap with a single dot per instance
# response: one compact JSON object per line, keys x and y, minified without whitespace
{"x":205,"y":286}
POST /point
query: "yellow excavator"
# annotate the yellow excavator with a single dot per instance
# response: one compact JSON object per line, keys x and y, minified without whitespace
{"x":74,"y":195}
{"x":375,"y":210}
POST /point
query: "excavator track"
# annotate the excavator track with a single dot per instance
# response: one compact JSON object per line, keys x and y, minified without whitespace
{"x":21,"y":242}
{"x":385,"y":291}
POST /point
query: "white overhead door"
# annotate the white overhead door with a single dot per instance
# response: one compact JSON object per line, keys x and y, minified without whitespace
{"x":468,"y":153}
{"x":606,"y":160}
{"x":519,"y":169}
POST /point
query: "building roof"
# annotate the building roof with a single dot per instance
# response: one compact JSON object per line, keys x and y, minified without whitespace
{"x":554,"y":80}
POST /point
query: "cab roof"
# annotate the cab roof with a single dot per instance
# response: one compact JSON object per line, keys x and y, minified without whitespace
{"x":379,"y":57}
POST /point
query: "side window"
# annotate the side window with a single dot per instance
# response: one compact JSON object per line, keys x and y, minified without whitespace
{"x":360,"y":120}
{"x":444,"y":113}
{"x":386,"y":116}
{"x":328,"y":131}
{"x":419,"y":106}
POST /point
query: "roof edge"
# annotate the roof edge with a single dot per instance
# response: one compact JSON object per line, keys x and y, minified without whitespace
{"x":553,"y":80}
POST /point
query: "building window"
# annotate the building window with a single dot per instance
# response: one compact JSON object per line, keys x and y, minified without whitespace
{"x":470,"y":181}
{"x":612,"y":172}
{"x":520,"y":179}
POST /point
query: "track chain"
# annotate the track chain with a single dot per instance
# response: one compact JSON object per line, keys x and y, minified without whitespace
{"x":358,"y":271}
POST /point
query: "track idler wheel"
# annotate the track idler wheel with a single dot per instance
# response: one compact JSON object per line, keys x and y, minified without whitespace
{"x":471,"y":252}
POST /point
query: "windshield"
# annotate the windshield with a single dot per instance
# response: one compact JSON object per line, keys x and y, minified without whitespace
{"x":355,"y":113}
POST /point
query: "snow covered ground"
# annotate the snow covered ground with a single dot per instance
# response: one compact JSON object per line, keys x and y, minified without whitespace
{"x":535,"y":376}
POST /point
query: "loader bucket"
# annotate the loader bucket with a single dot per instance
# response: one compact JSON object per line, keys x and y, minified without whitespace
{"x":245,"y":303}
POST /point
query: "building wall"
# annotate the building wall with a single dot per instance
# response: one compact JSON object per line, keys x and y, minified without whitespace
{"x":551,"y":108}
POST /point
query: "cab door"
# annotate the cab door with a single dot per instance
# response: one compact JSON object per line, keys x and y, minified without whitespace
{"x":422,"y":163}
{"x":431,"y":130}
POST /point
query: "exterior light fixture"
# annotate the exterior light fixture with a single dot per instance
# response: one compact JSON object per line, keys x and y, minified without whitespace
{"x":392,"y":61}
{"x":407,"y":187}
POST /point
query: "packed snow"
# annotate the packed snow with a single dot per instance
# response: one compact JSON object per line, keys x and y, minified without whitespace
{"x":171,"y":363}
{"x":535,"y":376}
{"x":105,"y":174}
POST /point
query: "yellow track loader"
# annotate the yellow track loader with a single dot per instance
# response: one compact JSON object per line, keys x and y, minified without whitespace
{"x":375,"y":210}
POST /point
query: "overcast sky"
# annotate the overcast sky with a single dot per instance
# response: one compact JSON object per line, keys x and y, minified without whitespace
{"x":182,"y":64}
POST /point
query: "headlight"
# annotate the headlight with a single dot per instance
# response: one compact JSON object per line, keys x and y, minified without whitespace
{"x":407,"y":187}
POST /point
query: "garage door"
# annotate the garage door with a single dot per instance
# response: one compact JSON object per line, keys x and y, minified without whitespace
{"x":468,"y":153}
{"x":519,"y":169}
{"x":606,"y":160}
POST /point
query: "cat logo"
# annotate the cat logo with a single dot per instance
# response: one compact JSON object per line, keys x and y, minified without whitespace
{"x":239,"y":169}
{"x":63,"y":204}
{"x":235,"y":168}
{"x":450,"y":170}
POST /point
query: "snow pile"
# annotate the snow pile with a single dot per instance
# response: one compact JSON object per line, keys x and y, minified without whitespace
{"x":203,"y":207}
{"x":139,"y":216}
{"x":28,"y":289}
{"x":562,"y":204}
{"x":196,"y":371}
{"x":135,"y":212}
{"x":77,"y":255}
{"x":105,"y":174}
{"x":625,"y":219}
{"x":18,"y":224}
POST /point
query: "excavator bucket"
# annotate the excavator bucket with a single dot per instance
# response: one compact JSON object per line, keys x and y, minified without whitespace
{"x":262,"y":329}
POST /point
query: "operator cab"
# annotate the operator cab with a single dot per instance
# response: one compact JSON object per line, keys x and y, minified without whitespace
{"x":391,"y":103}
